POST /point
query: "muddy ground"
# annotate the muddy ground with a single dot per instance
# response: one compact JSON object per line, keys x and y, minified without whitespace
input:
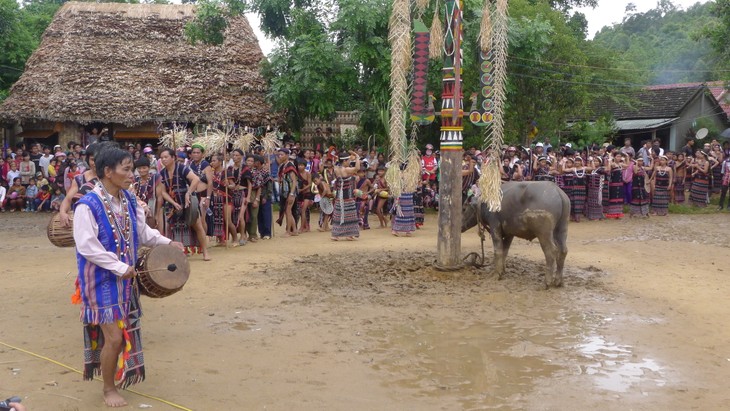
{"x":304,"y":323}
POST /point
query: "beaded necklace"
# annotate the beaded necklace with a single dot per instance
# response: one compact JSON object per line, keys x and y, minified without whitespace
{"x":661,"y":171}
{"x":120,"y":221}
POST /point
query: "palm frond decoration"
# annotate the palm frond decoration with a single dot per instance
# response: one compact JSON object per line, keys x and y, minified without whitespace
{"x":400,"y":40}
{"x":174,"y":136}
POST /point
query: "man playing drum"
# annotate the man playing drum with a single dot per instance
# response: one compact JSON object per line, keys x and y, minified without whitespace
{"x":108,"y":228}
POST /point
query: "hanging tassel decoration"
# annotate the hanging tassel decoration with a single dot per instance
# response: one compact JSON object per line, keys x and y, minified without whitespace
{"x":400,"y":63}
{"x":421,"y":6}
{"x":412,"y":172}
{"x":485,"y":27}
{"x":490,"y":183}
{"x":436,"y":45}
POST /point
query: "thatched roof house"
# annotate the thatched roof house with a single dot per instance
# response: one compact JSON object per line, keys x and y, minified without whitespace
{"x":131,"y":64}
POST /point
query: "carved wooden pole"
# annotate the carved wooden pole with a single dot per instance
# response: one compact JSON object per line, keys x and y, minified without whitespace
{"x":452,"y":113}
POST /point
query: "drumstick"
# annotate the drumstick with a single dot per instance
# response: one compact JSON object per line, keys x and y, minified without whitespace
{"x":171,"y":267}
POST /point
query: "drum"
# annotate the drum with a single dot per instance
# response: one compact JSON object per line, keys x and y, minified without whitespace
{"x":59,"y":235}
{"x":156,"y":280}
{"x":193,"y":212}
{"x":357,"y":193}
{"x":325,"y":204}
{"x":383,"y":194}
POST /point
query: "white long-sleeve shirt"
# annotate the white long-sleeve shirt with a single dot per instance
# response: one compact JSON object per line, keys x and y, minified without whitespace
{"x":86,"y":231}
{"x":3,"y":192}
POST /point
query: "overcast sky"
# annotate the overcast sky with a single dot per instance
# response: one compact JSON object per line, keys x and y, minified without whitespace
{"x":607,"y":13}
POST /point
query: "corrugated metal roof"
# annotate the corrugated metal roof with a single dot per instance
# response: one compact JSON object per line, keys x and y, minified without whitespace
{"x":644,"y":124}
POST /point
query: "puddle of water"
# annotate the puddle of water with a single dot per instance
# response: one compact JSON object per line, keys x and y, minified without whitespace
{"x":499,"y":365}
{"x":615,"y":369}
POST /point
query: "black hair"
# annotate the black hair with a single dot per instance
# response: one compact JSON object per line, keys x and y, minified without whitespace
{"x":251,"y":156}
{"x":109,"y":157}
{"x":142,"y":162}
{"x":239,"y":151}
{"x":169,"y":151}
{"x":259,"y":159}
{"x":316,"y":176}
{"x":655,"y":150}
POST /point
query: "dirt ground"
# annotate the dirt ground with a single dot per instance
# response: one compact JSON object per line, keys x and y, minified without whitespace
{"x":308,"y":324}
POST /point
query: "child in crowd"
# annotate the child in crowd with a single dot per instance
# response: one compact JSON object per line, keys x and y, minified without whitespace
{"x":43,"y":201}
{"x":57,"y":199}
{"x":31,"y":193}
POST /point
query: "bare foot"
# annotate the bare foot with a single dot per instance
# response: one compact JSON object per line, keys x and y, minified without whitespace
{"x":206,"y":257}
{"x":334,"y":239}
{"x":321,"y":230}
{"x":113,"y":399}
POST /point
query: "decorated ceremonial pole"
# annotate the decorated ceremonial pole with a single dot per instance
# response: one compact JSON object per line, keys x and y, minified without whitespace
{"x":452,"y":113}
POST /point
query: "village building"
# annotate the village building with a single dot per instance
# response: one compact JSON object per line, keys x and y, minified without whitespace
{"x":670,"y":113}
{"x":130,"y":69}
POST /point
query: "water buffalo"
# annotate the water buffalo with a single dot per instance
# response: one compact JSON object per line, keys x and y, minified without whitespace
{"x":538,"y":209}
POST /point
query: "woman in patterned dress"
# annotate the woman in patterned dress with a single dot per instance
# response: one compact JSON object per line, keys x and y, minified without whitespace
{"x":239,"y":187}
{"x":219,"y":201}
{"x":580,"y":189}
{"x":699,"y":191}
{"x":639,"y":205}
{"x":615,"y":208}
{"x":345,"y":223}
{"x":680,"y":174}
{"x":596,"y":181}
{"x":178,"y":185}
{"x":663,"y":179}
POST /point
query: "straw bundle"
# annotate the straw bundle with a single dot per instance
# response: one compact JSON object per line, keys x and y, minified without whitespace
{"x":490,"y":184}
{"x":270,"y":143}
{"x":394,"y":179}
{"x":421,"y":6}
{"x":174,"y":137}
{"x":485,"y":27}
{"x":412,"y":173}
{"x":436,"y":46}
{"x":243,"y":141}
{"x":215,"y":140}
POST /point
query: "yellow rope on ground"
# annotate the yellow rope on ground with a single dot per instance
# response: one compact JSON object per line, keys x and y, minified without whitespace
{"x":68,"y":367}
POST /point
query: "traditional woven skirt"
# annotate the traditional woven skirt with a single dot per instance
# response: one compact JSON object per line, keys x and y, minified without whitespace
{"x":177,"y":229}
{"x":639,"y":204}
{"x":218,"y":228}
{"x":660,"y":200}
{"x":578,"y":200}
{"x":344,"y":218}
{"x":679,"y":190}
{"x":418,"y":210}
{"x":404,"y":220}
{"x":698,"y":193}
{"x":594,"y":210}
{"x":237,"y":206}
{"x":615,"y":208}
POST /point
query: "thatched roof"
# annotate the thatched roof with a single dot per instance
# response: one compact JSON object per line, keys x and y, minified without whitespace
{"x":131,"y":63}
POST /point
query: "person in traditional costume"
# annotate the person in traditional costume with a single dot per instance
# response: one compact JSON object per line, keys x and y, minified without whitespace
{"x":202,"y":169}
{"x":239,"y":188}
{"x":639,"y":206}
{"x":381,"y":191}
{"x":288,"y":183}
{"x":108,"y":228}
{"x":305,"y":197}
{"x":615,"y":207}
{"x":363,"y":187}
{"x":326,"y":197}
{"x":145,"y":188}
{"x":252,"y":225}
{"x":220,"y":204}
{"x":81,"y":184}
{"x":404,"y":219}
{"x":262,"y":182}
{"x":716,"y":158}
{"x":680,"y":175}
{"x":180,"y":219}
{"x":699,"y":191}
{"x":579,"y":190}
{"x":662,"y":180}
{"x":344,"y":218}
{"x":725,"y":172}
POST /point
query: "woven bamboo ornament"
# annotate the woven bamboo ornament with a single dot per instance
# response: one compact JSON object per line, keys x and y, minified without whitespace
{"x":436,"y":44}
{"x":400,"y":64}
{"x":216,"y":139}
{"x":421,"y":6}
{"x":243,"y":141}
{"x":270,"y":143}
{"x":490,"y":187}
